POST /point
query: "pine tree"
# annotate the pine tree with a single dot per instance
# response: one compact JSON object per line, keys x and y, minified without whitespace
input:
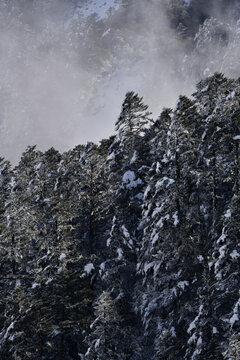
{"x":133,"y":121}
{"x":106,"y":336}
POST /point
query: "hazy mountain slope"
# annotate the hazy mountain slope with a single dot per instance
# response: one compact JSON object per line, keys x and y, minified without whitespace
{"x":62,"y":64}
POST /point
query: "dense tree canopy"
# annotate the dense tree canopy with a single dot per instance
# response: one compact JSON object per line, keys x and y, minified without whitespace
{"x":128,"y":249}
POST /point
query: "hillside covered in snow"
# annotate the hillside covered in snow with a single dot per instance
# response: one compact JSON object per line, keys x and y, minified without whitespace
{"x":128,"y":249}
{"x":119,"y":243}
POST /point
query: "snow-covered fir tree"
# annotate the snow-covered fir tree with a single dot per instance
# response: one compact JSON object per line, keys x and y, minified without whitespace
{"x":128,"y":249}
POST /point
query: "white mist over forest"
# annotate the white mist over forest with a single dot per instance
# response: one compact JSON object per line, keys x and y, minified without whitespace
{"x":65,"y":66}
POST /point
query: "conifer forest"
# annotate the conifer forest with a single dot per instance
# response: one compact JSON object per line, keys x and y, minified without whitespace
{"x":128,"y":248}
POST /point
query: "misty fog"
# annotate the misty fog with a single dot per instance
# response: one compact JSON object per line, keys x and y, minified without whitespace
{"x":64,"y":70}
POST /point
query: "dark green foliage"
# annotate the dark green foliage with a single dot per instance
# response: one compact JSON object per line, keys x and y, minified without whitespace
{"x":128,"y":249}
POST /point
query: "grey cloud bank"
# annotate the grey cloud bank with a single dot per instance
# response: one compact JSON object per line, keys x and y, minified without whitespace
{"x":63,"y":75}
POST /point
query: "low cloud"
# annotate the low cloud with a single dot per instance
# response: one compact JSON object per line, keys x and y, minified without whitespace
{"x":63,"y":76}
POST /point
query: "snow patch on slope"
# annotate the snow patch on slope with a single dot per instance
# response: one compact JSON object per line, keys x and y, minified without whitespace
{"x":99,"y":7}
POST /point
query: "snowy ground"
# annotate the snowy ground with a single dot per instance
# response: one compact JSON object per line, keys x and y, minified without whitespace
{"x":100,"y":7}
